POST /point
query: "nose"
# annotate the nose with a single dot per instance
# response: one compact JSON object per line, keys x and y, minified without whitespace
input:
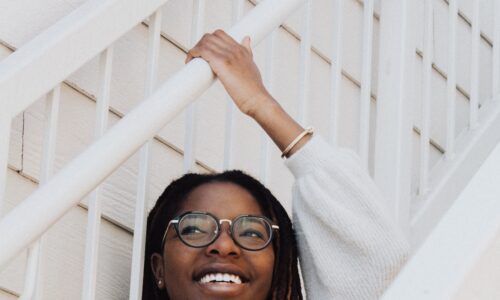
{"x":224,"y":245}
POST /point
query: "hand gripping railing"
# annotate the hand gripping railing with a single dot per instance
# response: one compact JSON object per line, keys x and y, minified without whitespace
{"x":50,"y":202}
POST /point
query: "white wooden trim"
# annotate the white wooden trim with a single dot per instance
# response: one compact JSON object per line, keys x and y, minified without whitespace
{"x":236,"y":13}
{"x":84,"y":33}
{"x":496,"y":52}
{"x":395,"y":97}
{"x":449,"y":177}
{"x":5,"y":125}
{"x":268,"y":81}
{"x":474,"y":93}
{"x":31,"y":288}
{"x":438,"y":268}
{"x":365,"y":99}
{"x":426,"y":99}
{"x":336,"y":70}
{"x":143,"y":182}
{"x":451,"y":84}
{"x":305,"y":63}
{"x":190,"y":123}
{"x":95,"y":206}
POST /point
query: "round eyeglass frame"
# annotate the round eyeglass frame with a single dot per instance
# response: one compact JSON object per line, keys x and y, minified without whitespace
{"x":175,"y":222}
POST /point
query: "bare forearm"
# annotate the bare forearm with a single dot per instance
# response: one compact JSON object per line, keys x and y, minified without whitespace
{"x":278,"y":124}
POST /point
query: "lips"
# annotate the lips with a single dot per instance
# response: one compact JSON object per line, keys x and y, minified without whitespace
{"x":217,"y":281}
{"x":220,"y":273}
{"x":220,"y":277}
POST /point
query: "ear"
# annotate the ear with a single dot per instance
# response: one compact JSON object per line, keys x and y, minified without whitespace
{"x":158,"y":270}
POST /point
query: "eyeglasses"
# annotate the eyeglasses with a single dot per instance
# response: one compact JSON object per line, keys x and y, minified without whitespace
{"x":200,"y":229}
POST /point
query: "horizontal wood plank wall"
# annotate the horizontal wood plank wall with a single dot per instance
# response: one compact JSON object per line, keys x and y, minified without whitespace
{"x":78,"y":113}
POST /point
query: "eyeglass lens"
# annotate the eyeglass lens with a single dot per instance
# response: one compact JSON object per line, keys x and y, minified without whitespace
{"x":199,"y":230}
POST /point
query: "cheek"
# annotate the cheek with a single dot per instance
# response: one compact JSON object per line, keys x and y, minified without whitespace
{"x":178,"y":261}
{"x":264,"y":264}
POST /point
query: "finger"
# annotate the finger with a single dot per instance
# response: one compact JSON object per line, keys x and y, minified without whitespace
{"x":219,"y":42}
{"x":247,"y":43}
{"x":209,"y":52}
{"x":225,"y":37}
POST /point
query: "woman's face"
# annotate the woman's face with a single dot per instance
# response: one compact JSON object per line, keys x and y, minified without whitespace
{"x":182,"y":267}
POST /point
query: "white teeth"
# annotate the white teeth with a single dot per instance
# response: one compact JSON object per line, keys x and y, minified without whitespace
{"x":220,"y":277}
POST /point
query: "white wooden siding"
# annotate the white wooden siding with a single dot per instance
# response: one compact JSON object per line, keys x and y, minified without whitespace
{"x":25,"y":19}
{"x":63,"y":252}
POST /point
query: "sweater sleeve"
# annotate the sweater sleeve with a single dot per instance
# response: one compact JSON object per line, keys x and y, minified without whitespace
{"x":349,"y":247}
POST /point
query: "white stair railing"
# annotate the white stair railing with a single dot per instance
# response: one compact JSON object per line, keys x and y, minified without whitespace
{"x":83,"y":34}
{"x":438,"y":269}
{"x":465,"y":151}
{"x":86,"y":171}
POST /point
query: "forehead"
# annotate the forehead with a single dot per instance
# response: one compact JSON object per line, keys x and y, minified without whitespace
{"x":222,"y":199}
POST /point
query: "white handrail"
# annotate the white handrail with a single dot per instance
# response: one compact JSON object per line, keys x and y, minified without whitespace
{"x":50,"y":202}
{"x":99,"y":21}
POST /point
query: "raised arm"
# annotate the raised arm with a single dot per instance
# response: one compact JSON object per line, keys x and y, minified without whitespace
{"x":234,"y":65}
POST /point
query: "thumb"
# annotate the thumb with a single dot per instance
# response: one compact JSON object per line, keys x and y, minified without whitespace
{"x":247,"y":43}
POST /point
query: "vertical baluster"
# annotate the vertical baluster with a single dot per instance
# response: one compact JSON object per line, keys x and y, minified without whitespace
{"x":474,"y":85}
{"x":190,"y":130}
{"x":237,"y":12}
{"x":137,"y":269}
{"x":451,"y":84}
{"x":364,"y":138}
{"x":305,"y":63}
{"x":268,"y":81}
{"x":31,"y":284}
{"x":496,"y":52}
{"x":427,"y":81}
{"x":393,"y":145}
{"x":336,"y":70}
{"x":5,"y":124}
{"x":94,"y":204}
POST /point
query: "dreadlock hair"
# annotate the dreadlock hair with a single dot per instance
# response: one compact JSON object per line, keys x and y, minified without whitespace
{"x":286,"y":283}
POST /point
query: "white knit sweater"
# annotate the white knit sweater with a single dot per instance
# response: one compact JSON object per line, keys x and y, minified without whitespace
{"x":349,"y":247}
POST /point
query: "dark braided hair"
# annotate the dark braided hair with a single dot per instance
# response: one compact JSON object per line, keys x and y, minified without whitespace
{"x":286,"y":283}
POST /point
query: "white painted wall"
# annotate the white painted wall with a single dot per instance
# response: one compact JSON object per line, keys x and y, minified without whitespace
{"x":22,"y":20}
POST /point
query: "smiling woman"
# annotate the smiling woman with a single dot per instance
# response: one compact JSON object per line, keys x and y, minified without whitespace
{"x":225,"y":236}
{"x":223,"y":244}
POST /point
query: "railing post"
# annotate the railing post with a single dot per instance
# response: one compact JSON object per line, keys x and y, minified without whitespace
{"x":366,"y":84}
{"x":426,"y":99}
{"x":336,"y":70}
{"x":31,"y":289}
{"x":5,"y":123}
{"x":395,"y":96}
{"x":237,"y":12}
{"x":191,"y":115}
{"x":268,"y":82}
{"x":496,"y":53}
{"x":451,"y":82}
{"x":143,"y":182}
{"x":94,"y":204}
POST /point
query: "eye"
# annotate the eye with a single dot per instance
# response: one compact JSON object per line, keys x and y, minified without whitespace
{"x":191,"y":230}
{"x":252,"y":234}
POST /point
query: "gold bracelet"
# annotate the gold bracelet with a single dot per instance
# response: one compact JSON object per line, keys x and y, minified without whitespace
{"x":309,"y":130}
